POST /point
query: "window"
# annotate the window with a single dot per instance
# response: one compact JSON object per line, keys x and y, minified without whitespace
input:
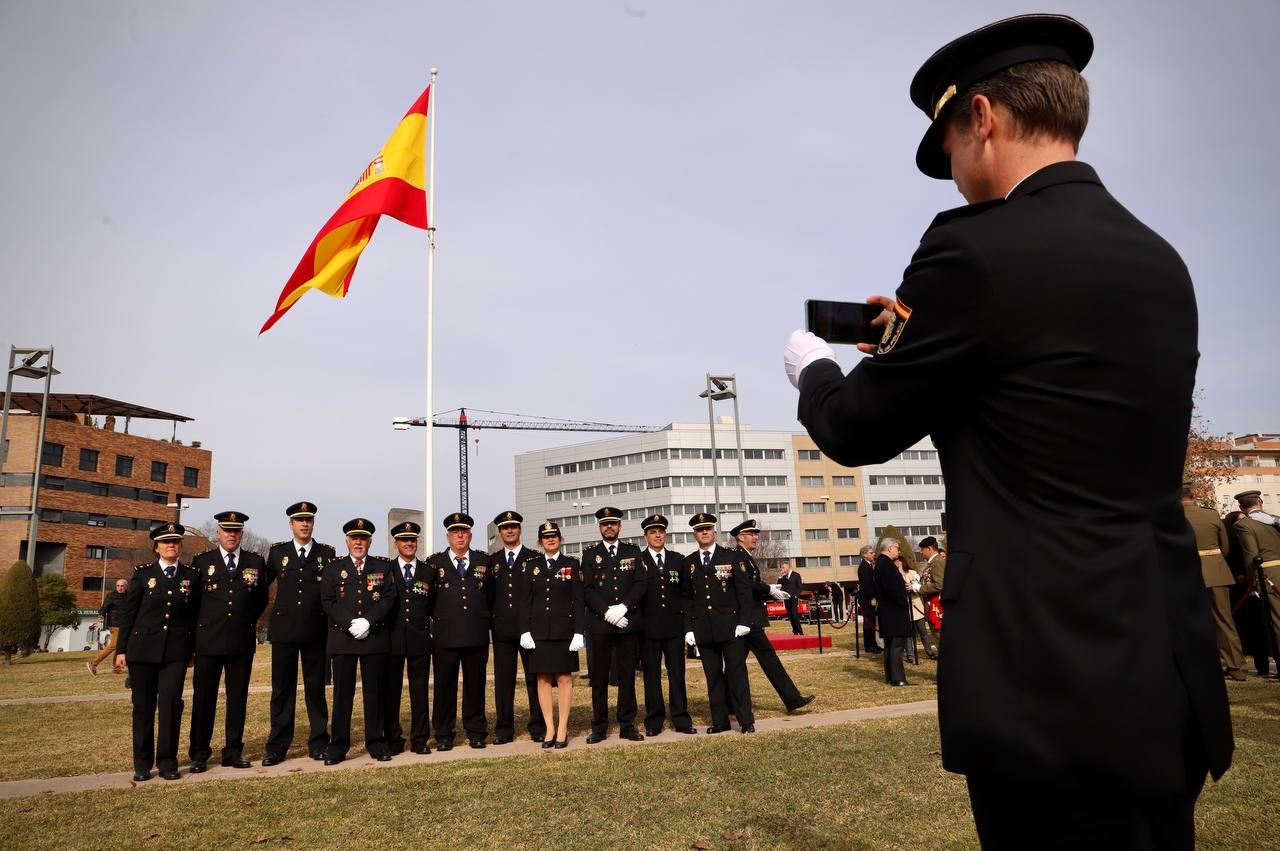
{"x":159,"y":497}
{"x":810,"y":455}
{"x":159,"y":471}
{"x":97,"y":520}
{"x":98,"y":488}
{"x":54,"y":483}
{"x":815,"y":508}
{"x":879,"y":505}
{"x":122,"y":491}
{"x":842,"y":481}
{"x":190,"y":477}
{"x":51,"y":515}
{"x":775,"y":534}
{"x":52,"y":454}
{"x":774,"y":455}
{"x":850,"y":561}
{"x":811,"y":481}
{"x":817,"y":534}
{"x":814,"y":561}
{"x":91,"y":583}
{"x":95,"y":551}
{"x":766,"y":508}
{"x":848,"y":533}
{"x":847,"y":507}
{"x":89,"y":460}
{"x":124,"y":466}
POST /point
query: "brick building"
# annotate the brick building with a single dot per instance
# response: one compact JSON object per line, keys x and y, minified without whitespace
{"x":101,"y":488}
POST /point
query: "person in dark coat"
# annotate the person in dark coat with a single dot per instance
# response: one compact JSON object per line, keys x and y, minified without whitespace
{"x":461,"y":601}
{"x":1071,"y":696}
{"x":791,"y":584}
{"x":509,"y":566}
{"x":893,"y":611}
{"x":109,"y":621}
{"x":553,"y":615}
{"x":234,"y":595}
{"x":358,"y":593}
{"x":298,"y":631}
{"x":157,"y":641}
{"x":867,"y":598}
{"x":409,"y":632}
{"x":663,"y":644}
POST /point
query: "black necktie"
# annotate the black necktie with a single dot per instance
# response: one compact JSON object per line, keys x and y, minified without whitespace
{"x":462,"y":566}
{"x":169,"y":571}
{"x":551,"y":565}
{"x":302,"y":553}
{"x":706,"y":558}
{"x":231,"y":563}
{"x":659,"y":562}
{"x":613,"y":551}
{"x":511,"y":559}
{"x":408,"y":574}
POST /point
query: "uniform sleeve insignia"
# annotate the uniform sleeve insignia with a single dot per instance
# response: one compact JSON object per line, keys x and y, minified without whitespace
{"x":893,"y":331}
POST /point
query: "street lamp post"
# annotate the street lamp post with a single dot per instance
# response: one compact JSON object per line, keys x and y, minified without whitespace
{"x":719,"y":388}
{"x":24,"y":363}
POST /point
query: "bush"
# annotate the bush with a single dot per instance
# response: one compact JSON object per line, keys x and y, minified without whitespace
{"x":57,"y":605}
{"x":19,"y":612}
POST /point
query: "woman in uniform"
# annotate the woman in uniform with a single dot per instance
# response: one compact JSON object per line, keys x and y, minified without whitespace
{"x":157,"y":642}
{"x":552,"y":617}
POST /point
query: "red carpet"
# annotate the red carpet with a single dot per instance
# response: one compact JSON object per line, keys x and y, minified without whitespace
{"x":798,"y":642}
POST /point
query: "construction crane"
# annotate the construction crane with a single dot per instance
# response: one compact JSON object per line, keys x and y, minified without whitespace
{"x":515,"y":422}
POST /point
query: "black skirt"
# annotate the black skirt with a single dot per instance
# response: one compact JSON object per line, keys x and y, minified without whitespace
{"x":552,"y":657}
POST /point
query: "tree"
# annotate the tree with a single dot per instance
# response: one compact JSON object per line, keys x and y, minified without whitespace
{"x":19,"y":611}
{"x":769,"y":554}
{"x":908,"y":547}
{"x":1208,"y":461}
{"x":57,"y":606}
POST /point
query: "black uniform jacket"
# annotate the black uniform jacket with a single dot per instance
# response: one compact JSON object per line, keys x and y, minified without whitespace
{"x":610,"y":581}
{"x":409,"y":626}
{"x":461,"y":606}
{"x":552,"y":608}
{"x":347,"y":595}
{"x":717,"y":597}
{"x":893,"y":615}
{"x":759,"y":591}
{"x":230,"y":606}
{"x":866,"y":582}
{"x":158,"y":620}
{"x":663,"y":603}
{"x":1060,"y":661}
{"x":507,"y":592}
{"x":296,"y":614}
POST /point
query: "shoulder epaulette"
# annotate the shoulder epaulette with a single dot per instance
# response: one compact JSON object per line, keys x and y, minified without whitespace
{"x":141,"y":566}
{"x":279,"y":544}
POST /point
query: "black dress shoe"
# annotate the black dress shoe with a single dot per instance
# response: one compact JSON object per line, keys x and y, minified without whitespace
{"x":270,"y":760}
{"x":688,"y":731}
{"x":171,"y":774}
{"x":238,"y":762}
{"x":750,"y":728}
{"x":476,"y":743}
{"x":318,"y":756}
{"x":631,"y":734}
{"x":562,"y":744}
{"x":422,"y":748}
{"x":538,"y":737}
{"x":803,"y":702}
{"x":713,"y":729}
{"x":502,"y":740}
{"x":549,"y":743}
{"x":332,"y":760}
{"x":446,"y":745}
{"x":383,"y":757}
{"x":596,"y":738}
{"x":652,"y":733}
{"x":141,"y":776}
{"x":199,"y":766}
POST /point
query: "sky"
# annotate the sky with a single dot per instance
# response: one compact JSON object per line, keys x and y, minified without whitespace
{"x":628,"y":195}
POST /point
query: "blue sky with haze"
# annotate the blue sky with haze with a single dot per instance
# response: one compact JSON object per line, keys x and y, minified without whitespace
{"x":629,"y":194}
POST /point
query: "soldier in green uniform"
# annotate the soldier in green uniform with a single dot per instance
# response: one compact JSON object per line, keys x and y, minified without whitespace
{"x":1211,"y":541}
{"x":1259,"y":534}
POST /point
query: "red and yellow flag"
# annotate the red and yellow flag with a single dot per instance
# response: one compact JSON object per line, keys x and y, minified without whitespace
{"x":394,"y":183}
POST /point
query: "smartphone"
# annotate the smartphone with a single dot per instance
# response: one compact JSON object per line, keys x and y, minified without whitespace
{"x":843,"y":322}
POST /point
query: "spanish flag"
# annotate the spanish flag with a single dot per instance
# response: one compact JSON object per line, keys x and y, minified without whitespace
{"x":394,"y":183}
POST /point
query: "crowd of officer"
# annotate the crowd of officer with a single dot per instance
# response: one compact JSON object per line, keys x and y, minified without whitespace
{"x":382,"y":617}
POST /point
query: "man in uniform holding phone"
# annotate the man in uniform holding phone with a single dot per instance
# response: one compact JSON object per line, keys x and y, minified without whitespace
{"x":1016,"y":314}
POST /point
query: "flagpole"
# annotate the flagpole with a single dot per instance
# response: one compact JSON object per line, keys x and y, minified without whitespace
{"x":428,"y":513}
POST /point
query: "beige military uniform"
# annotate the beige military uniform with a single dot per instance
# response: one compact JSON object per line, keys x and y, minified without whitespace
{"x":1212,"y":542}
{"x":935,"y":569}
{"x":1262,"y":540}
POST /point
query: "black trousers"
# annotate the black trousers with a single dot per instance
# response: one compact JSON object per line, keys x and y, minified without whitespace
{"x":504,"y":689}
{"x":655,"y":652}
{"x":392,"y":684}
{"x":204,"y":704}
{"x":284,"y":696}
{"x":614,"y":649}
{"x":473,"y":661}
{"x":758,"y":643}
{"x":1017,"y":815}
{"x":894,"y":647}
{"x":793,"y":615}
{"x":869,"y":627}
{"x":725,"y":666}
{"x":157,"y":687}
{"x":373,"y":668}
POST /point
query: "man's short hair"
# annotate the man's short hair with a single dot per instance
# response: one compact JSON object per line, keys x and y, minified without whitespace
{"x":1046,"y":98}
{"x":867,"y":549}
{"x":890,"y":542}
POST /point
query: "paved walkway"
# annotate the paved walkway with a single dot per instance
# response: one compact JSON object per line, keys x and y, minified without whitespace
{"x":303,"y":765}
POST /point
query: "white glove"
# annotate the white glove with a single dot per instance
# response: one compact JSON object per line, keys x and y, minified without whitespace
{"x":740,"y":630}
{"x":915,"y":585}
{"x":689,"y":639}
{"x":803,"y":348}
{"x":359,"y":628}
{"x":614,"y":612}
{"x":777,"y":593}
{"x":577,"y":643}
{"x":622,"y":623}
{"x":526,"y":640}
